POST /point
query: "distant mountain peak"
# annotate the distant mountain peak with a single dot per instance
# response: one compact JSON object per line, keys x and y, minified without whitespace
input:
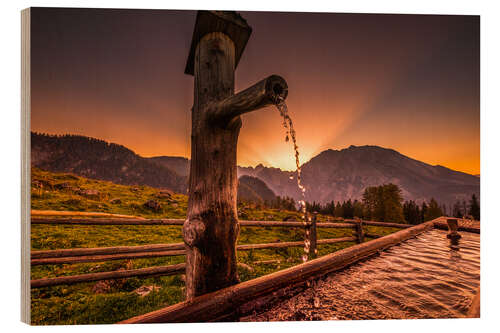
{"x":344,"y":174}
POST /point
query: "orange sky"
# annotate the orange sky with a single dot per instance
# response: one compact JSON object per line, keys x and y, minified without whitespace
{"x":410,"y":83}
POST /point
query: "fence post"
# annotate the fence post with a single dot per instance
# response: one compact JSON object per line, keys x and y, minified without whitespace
{"x":313,"y":250}
{"x":360,"y":235}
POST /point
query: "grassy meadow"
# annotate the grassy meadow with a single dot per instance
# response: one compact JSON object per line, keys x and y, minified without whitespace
{"x":111,"y":301}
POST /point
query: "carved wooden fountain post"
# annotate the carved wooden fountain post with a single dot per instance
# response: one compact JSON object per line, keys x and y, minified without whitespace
{"x":211,"y":229}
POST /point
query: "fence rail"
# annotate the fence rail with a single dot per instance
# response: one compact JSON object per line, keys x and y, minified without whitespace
{"x":106,"y":221}
{"x":105,"y":250}
{"x":99,"y":258}
{"x":73,"y":256}
{"x":179,"y":222}
{"x":142,"y":272}
{"x":369,"y":235}
{"x":384,"y":224}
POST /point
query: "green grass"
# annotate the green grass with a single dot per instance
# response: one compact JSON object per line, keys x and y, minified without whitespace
{"x":78,"y":304}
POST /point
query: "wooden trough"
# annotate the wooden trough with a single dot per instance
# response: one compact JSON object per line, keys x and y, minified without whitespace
{"x":225,"y":303}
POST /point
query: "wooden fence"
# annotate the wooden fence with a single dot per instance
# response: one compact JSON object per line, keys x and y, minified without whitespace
{"x":81,"y":255}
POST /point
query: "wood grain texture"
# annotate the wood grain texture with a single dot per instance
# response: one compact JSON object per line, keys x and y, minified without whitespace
{"x":269,"y":91}
{"x":226,"y":22}
{"x":211,"y":228}
{"x":369,"y":235}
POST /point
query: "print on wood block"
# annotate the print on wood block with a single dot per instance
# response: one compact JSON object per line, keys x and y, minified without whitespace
{"x":154,"y":193}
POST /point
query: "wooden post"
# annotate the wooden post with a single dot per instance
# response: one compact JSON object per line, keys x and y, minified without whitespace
{"x":313,"y":238}
{"x":211,"y":229}
{"x":360,"y":234}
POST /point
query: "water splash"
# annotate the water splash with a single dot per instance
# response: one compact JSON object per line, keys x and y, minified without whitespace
{"x":290,"y":133}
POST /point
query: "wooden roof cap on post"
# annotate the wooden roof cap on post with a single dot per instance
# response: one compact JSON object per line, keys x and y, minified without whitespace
{"x":228,"y":22}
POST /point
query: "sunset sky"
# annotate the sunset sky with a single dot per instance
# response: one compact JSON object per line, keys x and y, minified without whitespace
{"x":406,"y":82}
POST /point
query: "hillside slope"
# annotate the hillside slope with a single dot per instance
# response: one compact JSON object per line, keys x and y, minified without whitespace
{"x":98,"y":159}
{"x":255,"y":190}
{"x":175,"y":163}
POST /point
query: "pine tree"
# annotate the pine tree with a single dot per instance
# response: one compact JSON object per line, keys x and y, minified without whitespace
{"x":411,"y":212}
{"x":348,"y":209}
{"x":433,"y":211}
{"x":423,"y":211}
{"x":474,"y":208}
{"x":339,"y":212}
{"x":357,"y":209}
{"x":313,"y":207}
{"x":369,"y":202}
{"x":383,"y":203}
{"x":445,"y":210}
{"x":418,"y":215}
{"x":328,"y":209}
{"x":392,"y":202}
{"x":457,"y":210}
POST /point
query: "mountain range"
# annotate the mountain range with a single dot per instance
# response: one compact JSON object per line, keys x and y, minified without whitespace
{"x":98,"y":159}
{"x":331,"y":175}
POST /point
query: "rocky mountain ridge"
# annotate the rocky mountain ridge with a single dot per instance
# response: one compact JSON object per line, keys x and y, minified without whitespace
{"x":331,"y":175}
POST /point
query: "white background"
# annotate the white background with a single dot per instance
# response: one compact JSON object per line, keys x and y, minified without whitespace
{"x":490,"y":186}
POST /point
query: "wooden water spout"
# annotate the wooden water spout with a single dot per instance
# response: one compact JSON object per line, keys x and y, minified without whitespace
{"x":211,"y":229}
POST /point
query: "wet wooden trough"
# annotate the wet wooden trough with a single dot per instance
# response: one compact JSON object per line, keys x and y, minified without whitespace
{"x":230,"y":303}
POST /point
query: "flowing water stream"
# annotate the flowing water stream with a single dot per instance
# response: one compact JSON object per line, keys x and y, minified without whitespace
{"x":424,"y":277}
{"x":290,"y":133}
